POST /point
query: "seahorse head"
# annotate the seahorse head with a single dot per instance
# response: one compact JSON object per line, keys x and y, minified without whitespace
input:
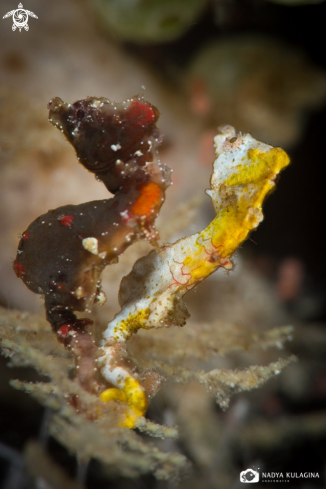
{"x":106,"y":134}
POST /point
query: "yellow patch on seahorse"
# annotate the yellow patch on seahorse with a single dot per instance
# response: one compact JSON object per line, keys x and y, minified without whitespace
{"x":137,"y":402}
{"x":113,"y":394}
{"x":242,"y":195}
{"x":243,"y":213}
{"x":263,"y":166}
{"x":204,"y":266}
{"x":132,"y":394}
{"x":133,"y":323}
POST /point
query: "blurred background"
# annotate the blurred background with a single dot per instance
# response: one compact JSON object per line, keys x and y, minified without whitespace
{"x":259,"y":65}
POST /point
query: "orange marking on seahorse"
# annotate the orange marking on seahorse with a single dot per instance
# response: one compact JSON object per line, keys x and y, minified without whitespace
{"x":149,"y":197}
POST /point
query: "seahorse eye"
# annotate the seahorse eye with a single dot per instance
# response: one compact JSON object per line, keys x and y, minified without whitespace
{"x":80,"y":114}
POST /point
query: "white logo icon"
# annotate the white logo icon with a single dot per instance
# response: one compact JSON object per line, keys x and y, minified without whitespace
{"x":20,"y":18}
{"x":249,"y":475}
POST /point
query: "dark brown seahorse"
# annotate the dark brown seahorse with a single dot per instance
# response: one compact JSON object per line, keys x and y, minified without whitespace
{"x":63,"y":252}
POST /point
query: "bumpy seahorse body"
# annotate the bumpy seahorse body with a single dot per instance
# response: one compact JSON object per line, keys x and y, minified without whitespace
{"x":63,"y":252}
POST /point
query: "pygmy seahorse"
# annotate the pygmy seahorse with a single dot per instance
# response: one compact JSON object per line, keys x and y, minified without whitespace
{"x":63,"y":252}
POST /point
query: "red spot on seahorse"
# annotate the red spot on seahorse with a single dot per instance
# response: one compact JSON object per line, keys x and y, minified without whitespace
{"x":66,"y":220}
{"x":25,"y":235}
{"x":63,"y":332}
{"x":19,"y":269}
{"x":145,"y":113}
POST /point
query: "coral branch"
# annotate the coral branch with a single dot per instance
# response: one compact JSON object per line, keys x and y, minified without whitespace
{"x":223,"y":383}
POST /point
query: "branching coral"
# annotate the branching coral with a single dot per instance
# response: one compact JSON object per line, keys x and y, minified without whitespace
{"x":63,"y":252}
{"x":26,"y":340}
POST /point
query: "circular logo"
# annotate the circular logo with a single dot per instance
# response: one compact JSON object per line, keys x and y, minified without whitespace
{"x":20,"y":18}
